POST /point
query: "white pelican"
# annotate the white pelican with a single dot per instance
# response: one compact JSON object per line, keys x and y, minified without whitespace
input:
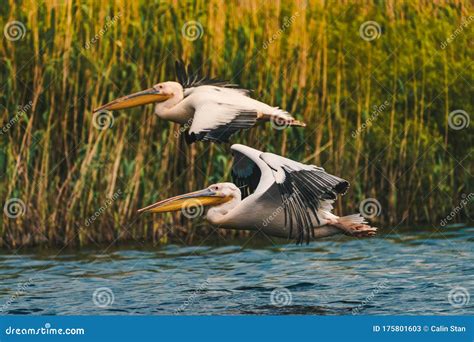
{"x":209,"y":109}
{"x":275,"y":195}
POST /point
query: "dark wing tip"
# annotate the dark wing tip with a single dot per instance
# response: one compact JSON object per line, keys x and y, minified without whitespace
{"x":189,"y":78}
{"x":191,"y":138}
{"x":341,"y":187}
{"x":180,"y":71}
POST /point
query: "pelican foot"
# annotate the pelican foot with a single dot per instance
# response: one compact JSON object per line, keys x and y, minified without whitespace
{"x":356,"y":229}
{"x":360,"y":230}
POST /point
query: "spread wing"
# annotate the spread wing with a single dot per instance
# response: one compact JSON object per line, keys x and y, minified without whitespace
{"x":218,"y":113}
{"x":249,"y":172}
{"x":245,"y":174}
{"x":303,"y":188}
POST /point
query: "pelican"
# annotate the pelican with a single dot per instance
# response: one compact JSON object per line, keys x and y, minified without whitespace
{"x":209,"y":109}
{"x":275,"y":195}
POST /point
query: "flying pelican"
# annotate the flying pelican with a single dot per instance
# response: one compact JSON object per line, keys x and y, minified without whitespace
{"x":209,"y":109}
{"x":275,"y":195}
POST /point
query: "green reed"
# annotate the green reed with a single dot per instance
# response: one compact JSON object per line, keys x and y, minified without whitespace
{"x":377,"y":111}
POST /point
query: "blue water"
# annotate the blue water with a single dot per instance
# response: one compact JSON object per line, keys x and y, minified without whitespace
{"x":409,"y":271}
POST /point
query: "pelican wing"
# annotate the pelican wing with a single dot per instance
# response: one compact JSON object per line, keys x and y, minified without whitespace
{"x":303,"y":189}
{"x":249,"y":172}
{"x":217,"y":122}
{"x":219,"y":113}
{"x":221,"y":108}
{"x":245,"y":174}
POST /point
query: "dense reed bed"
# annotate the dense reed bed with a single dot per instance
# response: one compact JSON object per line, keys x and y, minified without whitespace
{"x":378,"y":109}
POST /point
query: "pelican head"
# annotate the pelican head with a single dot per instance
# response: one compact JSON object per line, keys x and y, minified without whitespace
{"x":169,"y":93}
{"x":221,"y":197}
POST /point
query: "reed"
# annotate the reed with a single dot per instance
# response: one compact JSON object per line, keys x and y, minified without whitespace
{"x":82,"y":185}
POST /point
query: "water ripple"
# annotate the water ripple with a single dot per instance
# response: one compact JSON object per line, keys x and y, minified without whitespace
{"x":410,"y":272}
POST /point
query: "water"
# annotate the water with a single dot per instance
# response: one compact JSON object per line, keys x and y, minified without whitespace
{"x":407,"y":272}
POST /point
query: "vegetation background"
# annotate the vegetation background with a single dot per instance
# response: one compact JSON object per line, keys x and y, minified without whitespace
{"x":308,"y":57}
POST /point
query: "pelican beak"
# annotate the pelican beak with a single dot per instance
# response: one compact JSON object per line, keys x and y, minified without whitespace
{"x":197,"y":199}
{"x":136,"y":99}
